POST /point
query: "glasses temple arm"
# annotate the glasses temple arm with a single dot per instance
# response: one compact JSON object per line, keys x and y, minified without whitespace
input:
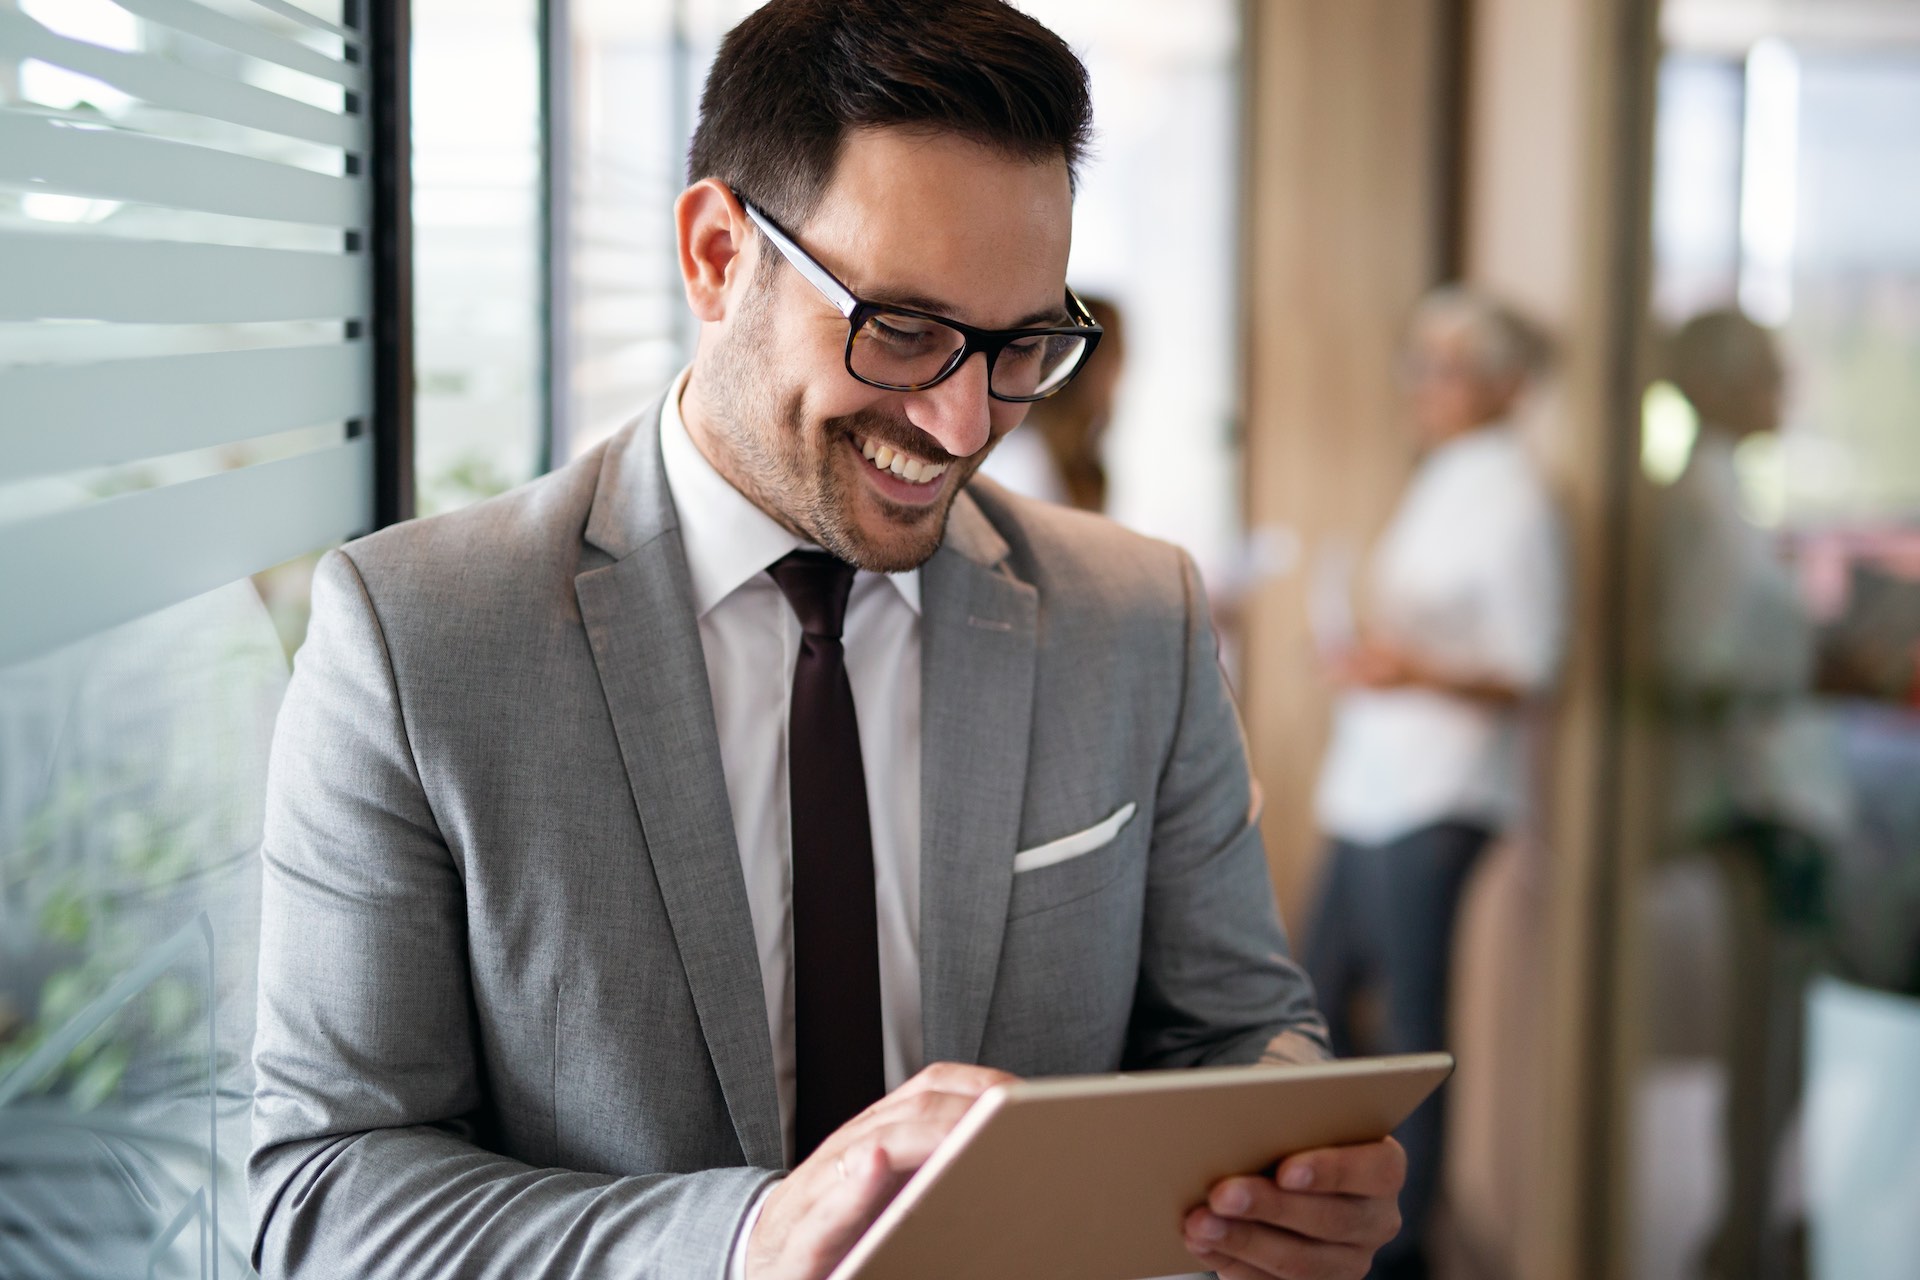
{"x":818,"y":276}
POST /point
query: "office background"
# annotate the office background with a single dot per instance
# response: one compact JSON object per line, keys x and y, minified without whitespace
{"x":275,"y":272}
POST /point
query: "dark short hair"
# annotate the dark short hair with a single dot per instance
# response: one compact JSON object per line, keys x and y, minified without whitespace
{"x":792,"y":79}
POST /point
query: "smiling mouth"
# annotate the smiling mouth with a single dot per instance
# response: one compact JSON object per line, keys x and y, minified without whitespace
{"x":902,"y":465}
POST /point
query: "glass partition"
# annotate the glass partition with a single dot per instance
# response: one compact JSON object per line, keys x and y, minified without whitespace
{"x":1774,"y":905}
{"x":186,"y":400}
{"x":480,"y":425}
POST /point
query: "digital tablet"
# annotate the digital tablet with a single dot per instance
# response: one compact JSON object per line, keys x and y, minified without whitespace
{"x":1091,"y":1177}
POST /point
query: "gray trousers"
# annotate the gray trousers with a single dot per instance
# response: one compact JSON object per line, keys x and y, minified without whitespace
{"x":1384,"y":921}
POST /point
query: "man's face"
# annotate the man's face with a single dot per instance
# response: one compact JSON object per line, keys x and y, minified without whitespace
{"x":925,"y":220}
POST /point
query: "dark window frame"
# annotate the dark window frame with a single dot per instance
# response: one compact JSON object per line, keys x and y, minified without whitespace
{"x":388,"y":26}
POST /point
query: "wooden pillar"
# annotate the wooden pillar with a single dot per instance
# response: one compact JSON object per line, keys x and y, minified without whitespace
{"x":1556,"y":195}
{"x":1344,"y":231}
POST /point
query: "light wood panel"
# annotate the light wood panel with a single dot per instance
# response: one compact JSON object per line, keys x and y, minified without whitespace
{"x":1343,"y":200}
{"x":1558,"y":148}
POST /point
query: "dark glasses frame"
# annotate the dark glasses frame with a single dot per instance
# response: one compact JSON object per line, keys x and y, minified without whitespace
{"x":989,"y":342}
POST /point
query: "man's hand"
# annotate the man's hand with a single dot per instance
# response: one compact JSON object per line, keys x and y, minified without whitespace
{"x":1320,"y":1217}
{"x":814,"y":1216}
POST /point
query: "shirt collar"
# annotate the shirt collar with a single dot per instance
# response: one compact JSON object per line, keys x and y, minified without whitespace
{"x":728,"y":541}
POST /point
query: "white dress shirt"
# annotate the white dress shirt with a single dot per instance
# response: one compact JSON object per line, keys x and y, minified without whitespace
{"x":751,"y":639}
{"x":1469,"y":576}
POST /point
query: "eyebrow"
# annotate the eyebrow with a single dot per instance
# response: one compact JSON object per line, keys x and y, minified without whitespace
{"x":1047,"y":317}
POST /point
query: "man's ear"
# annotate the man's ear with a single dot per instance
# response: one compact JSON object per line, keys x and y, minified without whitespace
{"x":716,"y":260}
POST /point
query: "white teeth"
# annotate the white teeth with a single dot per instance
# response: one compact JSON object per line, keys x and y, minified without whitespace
{"x":909,"y":469}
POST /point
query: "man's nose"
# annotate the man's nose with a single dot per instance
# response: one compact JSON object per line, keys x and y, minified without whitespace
{"x":956,"y":412}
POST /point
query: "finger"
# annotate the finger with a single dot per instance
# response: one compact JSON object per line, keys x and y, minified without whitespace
{"x":923,"y":1106}
{"x":906,"y":1145}
{"x":1369,"y":1221}
{"x":1272,"y":1251}
{"x":842,"y":1214}
{"x":954,"y":1077}
{"x":871,"y":1171}
{"x":905,"y":1137}
{"x":818,"y":1175}
{"x":1373,"y":1169}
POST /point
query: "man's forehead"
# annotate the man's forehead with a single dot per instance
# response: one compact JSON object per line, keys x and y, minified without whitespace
{"x":938,"y":223}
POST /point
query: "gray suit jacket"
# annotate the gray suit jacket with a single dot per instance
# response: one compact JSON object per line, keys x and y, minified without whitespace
{"x":511,"y":1020}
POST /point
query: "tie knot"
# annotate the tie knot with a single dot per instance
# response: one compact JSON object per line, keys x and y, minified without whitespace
{"x":817,"y":586}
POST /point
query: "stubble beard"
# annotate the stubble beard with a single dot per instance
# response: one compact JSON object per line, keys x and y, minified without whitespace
{"x":789,"y":471}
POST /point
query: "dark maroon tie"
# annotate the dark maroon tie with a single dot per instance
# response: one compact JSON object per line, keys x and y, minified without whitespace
{"x":836,"y":941}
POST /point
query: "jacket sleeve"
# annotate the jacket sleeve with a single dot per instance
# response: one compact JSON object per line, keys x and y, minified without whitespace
{"x":369,"y":1084}
{"x":1216,"y":984}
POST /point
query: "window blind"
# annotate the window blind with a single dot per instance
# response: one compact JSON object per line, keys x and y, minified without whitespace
{"x":186,"y":302}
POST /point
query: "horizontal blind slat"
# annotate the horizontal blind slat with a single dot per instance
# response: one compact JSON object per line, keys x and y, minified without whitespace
{"x":75,"y":277}
{"x":314,"y":20}
{"x":242,"y":37}
{"x":42,"y":154}
{"x":93,"y":567}
{"x":57,"y":418}
{"x":166,"y":84}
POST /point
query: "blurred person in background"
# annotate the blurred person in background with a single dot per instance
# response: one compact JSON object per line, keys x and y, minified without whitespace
{"x":1759,"y":804}
{"x":1737,"y":646}
{"x":1462,"y":626}
{"x":1056,"y":454}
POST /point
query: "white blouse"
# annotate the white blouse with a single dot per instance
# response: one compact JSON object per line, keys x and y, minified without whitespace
{"x":1470,"y":577}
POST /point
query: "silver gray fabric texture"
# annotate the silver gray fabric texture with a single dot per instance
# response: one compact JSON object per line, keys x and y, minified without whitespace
{"x":511,"y":1020}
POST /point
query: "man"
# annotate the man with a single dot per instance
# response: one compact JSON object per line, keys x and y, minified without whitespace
{"x":624,"y":852}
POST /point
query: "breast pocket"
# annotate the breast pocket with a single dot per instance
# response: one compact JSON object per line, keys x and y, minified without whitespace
{"x":1072,"y":867}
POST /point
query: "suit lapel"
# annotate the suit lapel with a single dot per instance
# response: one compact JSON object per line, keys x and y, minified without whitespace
{"x":979,"y":631}
{"x":639,"y":617}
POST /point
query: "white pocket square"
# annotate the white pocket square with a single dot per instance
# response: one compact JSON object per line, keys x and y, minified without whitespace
{"x":1094,"y":837}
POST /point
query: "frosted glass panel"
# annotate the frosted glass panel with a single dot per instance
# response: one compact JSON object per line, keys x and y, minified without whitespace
{"x":183,"y":273}
{"x":186,"y":399}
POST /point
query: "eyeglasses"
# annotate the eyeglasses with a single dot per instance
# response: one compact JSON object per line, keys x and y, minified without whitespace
{"x":900,"y":349}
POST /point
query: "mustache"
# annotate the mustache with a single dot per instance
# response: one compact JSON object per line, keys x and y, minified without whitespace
{"x":898,"y":435}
